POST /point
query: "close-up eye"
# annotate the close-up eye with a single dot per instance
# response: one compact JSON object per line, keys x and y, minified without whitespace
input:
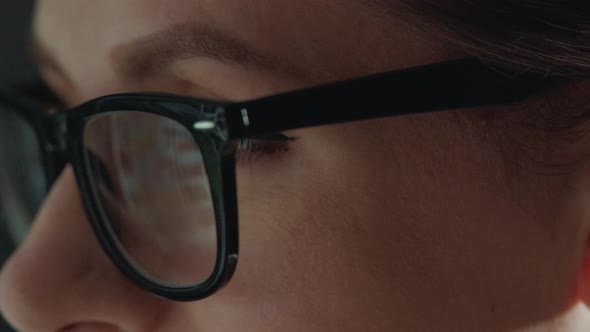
{"x":267,"y":146}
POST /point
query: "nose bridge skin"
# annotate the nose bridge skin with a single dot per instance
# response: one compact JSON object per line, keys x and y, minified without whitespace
{"x":60,"y":277}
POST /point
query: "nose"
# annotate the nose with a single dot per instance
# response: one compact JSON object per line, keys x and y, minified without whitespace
{"x":61,"y":280}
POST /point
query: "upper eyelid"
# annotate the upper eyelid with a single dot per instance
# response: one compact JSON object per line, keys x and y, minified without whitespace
{"x":40,"y":93}
{"x":276,"y":137}
{"x":35,"y":96}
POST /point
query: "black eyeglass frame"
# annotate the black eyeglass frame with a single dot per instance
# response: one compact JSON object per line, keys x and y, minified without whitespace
{"x":214,"y":125}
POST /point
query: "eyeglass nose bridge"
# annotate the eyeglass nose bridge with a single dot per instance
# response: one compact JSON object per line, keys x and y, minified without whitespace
{"x":57,"y":129}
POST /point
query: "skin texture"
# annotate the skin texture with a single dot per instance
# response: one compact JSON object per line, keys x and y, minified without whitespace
{"x":435,"y":222}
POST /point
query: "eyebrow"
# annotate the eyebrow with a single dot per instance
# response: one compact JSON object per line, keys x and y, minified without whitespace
{"x":146,"y":56}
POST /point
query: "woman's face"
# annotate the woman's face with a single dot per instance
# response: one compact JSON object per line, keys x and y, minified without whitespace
{"x":429,"y":222}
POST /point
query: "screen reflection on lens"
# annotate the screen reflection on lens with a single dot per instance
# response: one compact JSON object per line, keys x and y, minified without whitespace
{"x":152,"y":188}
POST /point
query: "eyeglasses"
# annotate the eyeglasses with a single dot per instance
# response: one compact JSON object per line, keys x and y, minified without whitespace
{"x":157,"y":172}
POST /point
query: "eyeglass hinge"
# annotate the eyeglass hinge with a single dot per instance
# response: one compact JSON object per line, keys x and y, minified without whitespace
{"x":245,"y":117}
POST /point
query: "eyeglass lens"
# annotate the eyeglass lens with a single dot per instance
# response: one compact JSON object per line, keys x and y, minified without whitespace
{"x":151,"y":187}
{"x":23,"y":183}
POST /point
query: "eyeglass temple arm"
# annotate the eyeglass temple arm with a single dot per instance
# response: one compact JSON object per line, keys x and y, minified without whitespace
{"x":445,"y":86}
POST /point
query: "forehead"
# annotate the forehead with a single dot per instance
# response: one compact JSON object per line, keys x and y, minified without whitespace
{"x":80,"y":34}
{"x":323,"y":36}
{"x":83,"y":34}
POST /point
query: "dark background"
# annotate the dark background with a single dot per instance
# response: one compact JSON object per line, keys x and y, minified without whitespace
{"x":15,"y":66}
{"x":15,"y":18}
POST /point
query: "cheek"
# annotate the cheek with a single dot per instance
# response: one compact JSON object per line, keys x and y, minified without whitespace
{"x":304,"y":223}
{"x":346,"y":222}
{"x":283,"y":220}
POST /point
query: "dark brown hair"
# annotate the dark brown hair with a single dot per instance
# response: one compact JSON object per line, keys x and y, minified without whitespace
{"x":547,"y":36}
{"x":552,"y":36}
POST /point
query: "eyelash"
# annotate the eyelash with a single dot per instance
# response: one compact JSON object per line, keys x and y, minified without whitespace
{"x":248,"y":150}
